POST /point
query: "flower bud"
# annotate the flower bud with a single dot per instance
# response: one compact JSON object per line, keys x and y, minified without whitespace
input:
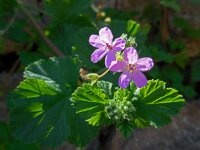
{"x":134,"y":99}
{"x":103,"y":14}
{"x":91,"y":76}
{"x":124,"y":36}
{"x":107,"y":20}
{"x":131,"y":42}
{"x":116,"y":118}
{"x":125,"y":108}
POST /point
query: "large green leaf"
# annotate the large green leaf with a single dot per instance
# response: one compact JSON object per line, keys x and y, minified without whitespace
{"x":8,"y":142}
{"x":65,"y":10}
{"x":196,"y":70}
{"x":6,"y":11}
{"x":89,"y":102}
{"x":40,"y":106}
{"x":63,"y":72}
{"x":173,"y":4}
{"x":156,"y":103}
{"x":81,"y":46}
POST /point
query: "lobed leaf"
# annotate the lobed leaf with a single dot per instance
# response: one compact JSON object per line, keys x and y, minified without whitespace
{"x":40,"y":106}
{"x":89,"y":102}
{"x":156,"y":103}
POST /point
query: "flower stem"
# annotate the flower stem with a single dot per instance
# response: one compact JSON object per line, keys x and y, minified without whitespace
{"x":104,"y":73}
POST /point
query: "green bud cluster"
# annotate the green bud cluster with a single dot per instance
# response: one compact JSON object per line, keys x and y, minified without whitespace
{"x":131,"y":42}
{"x":120,"y":110}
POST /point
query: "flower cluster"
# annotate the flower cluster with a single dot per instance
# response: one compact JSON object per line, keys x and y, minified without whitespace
{"x":131,"y":66}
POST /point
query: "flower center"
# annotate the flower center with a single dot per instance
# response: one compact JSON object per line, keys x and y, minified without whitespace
{"x":109,"y":46}
{"x":131,"y":67}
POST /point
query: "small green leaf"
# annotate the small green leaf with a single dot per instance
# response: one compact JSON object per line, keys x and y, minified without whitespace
{"x":156,"y":103}
{"x":89,"y":102}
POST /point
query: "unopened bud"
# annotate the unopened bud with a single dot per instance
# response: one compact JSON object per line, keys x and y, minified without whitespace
{"x":116,"y":118}
{"x":128,"y":103}
{"x":115,"y":111}
{"x":131,"y":42}
{"x":91,"y":76}
{"x":125,"y":108}
{"x":124,"y":36}
{"x":134,"y":99}
{"x":107,"y":20}
{"x":103,"y":14}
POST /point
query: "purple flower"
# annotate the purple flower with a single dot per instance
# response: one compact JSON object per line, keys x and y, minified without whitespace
{"x":105,"y":46}
{"x":132,"y":68}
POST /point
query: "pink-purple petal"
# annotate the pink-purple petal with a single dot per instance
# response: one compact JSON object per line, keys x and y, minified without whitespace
{"x":106,"y":35}
{"x":144,"y":64}
{"x":139,"y":78}
{"x":118,"y":66}
{"x":97,"y":55}
{"x":95,"y":41}
{"x":119,"y":44}
{"x":130,"y":55}
{"x":124,"y":79}
{"x":110,"y":57}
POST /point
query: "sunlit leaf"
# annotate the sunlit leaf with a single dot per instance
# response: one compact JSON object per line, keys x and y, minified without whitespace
{"x":156,"y":103}
{"x":40,"y":106}
{"x":89,"y":102}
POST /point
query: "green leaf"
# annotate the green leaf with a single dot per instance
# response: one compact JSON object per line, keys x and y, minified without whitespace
{"x":6,"y":11}
{"x":172,"y":73}
{"x":65,"y":10}
{"x":89,"y":102}
{"x":166,"y":57}
{"x":4,"y":131}
{"x":181,"y":23}
{"x":62,"y":72}
{"x":173,"y":4}
{"x":106,"y":87}
{"x":196,"y":70}
{"x":81,"y":46}
{"x":119,"y":14}
{"x":125,"y":128}
{"x":188,"y":91}
{"x":63,"y":41}
{"x":156,"y":103}
{"x":40,"y":106}
{"x":195,"y":2}
{"x":132,"y":28}
{"x":8,"y":142}
{"x":39,"y":113}
{"x":139,"y":32}
{"x":29,"y":57}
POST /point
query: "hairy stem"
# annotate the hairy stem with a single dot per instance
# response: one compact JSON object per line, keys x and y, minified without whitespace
{"x":104,"y":73}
